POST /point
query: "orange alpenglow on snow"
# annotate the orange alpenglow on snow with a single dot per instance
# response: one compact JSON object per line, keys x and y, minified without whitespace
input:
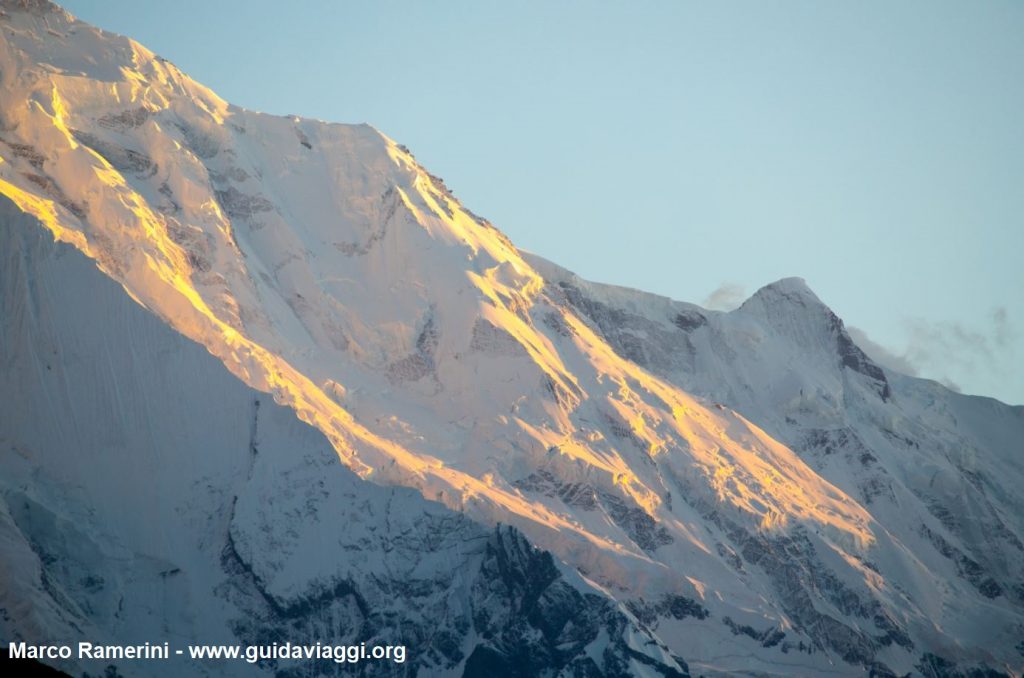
{"x":322,"y":264}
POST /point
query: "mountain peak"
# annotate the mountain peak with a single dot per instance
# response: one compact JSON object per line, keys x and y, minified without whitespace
{"x":786,"y":296}
{"x":729,"y":479}
{"x":795,"y":311}
{"x":793,"y":290}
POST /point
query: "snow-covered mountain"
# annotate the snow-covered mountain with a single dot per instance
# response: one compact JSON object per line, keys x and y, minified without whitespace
{"x":308,"y":394}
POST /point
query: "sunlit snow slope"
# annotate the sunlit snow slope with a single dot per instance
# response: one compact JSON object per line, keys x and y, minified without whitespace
{"x":320,"y":263}
{"x":169,"y":502}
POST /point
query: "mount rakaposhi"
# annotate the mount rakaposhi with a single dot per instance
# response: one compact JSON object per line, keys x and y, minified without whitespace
{"x":266,"y":377}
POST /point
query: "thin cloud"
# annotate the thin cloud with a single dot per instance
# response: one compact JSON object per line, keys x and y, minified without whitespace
{"x":938,"y":349}
{"x":725,"y":297}
{"x":1004,"y":334}
{"x":953,"y":343}
{"x":882,"y":355}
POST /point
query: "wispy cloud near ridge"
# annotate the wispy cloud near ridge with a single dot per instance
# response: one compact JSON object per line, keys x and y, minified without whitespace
{"x":947,"y":351}
{"x":725,"y":297}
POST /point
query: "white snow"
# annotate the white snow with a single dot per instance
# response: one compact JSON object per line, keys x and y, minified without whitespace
{"x":321,"y":264}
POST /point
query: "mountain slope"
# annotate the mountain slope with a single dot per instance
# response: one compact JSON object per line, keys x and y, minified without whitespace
{"x":141,"y":481}
{"x":321,"y":264}
{"x":939,"y":470}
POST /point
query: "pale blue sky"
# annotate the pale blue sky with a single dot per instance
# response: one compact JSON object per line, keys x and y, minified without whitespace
{"x":874,"y":148}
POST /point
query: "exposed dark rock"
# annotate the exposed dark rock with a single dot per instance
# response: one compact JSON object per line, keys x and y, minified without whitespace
{"x":673,"y":606}
{"x":133,"y":117}
{"x":390,"y":204}
{"x":556,"y":321}
{"x":855,"y":359}
{"x":643,"y":529}
{"x":523,"y":589}
{"x":419,"y":364}
{"x":688,"y":321}
{"x":824,"y":442}
{"x":934,"y":666}
{"x":55,"y":192}
{"x":122,"y":159}
{"x":767,"y":638}
{"x":578,"y":495}
{"x":966,"y":567}
{"x":238,"y":205}
{"x":27,"y":668}
{"x":29,"y":153}
{"x":172,"y":205}
{"x":776,"y":555}
{"x":645,"y":342}
{"x":200,"y":143}
{"x":529,"y":619}
{"x":488,"y":338}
